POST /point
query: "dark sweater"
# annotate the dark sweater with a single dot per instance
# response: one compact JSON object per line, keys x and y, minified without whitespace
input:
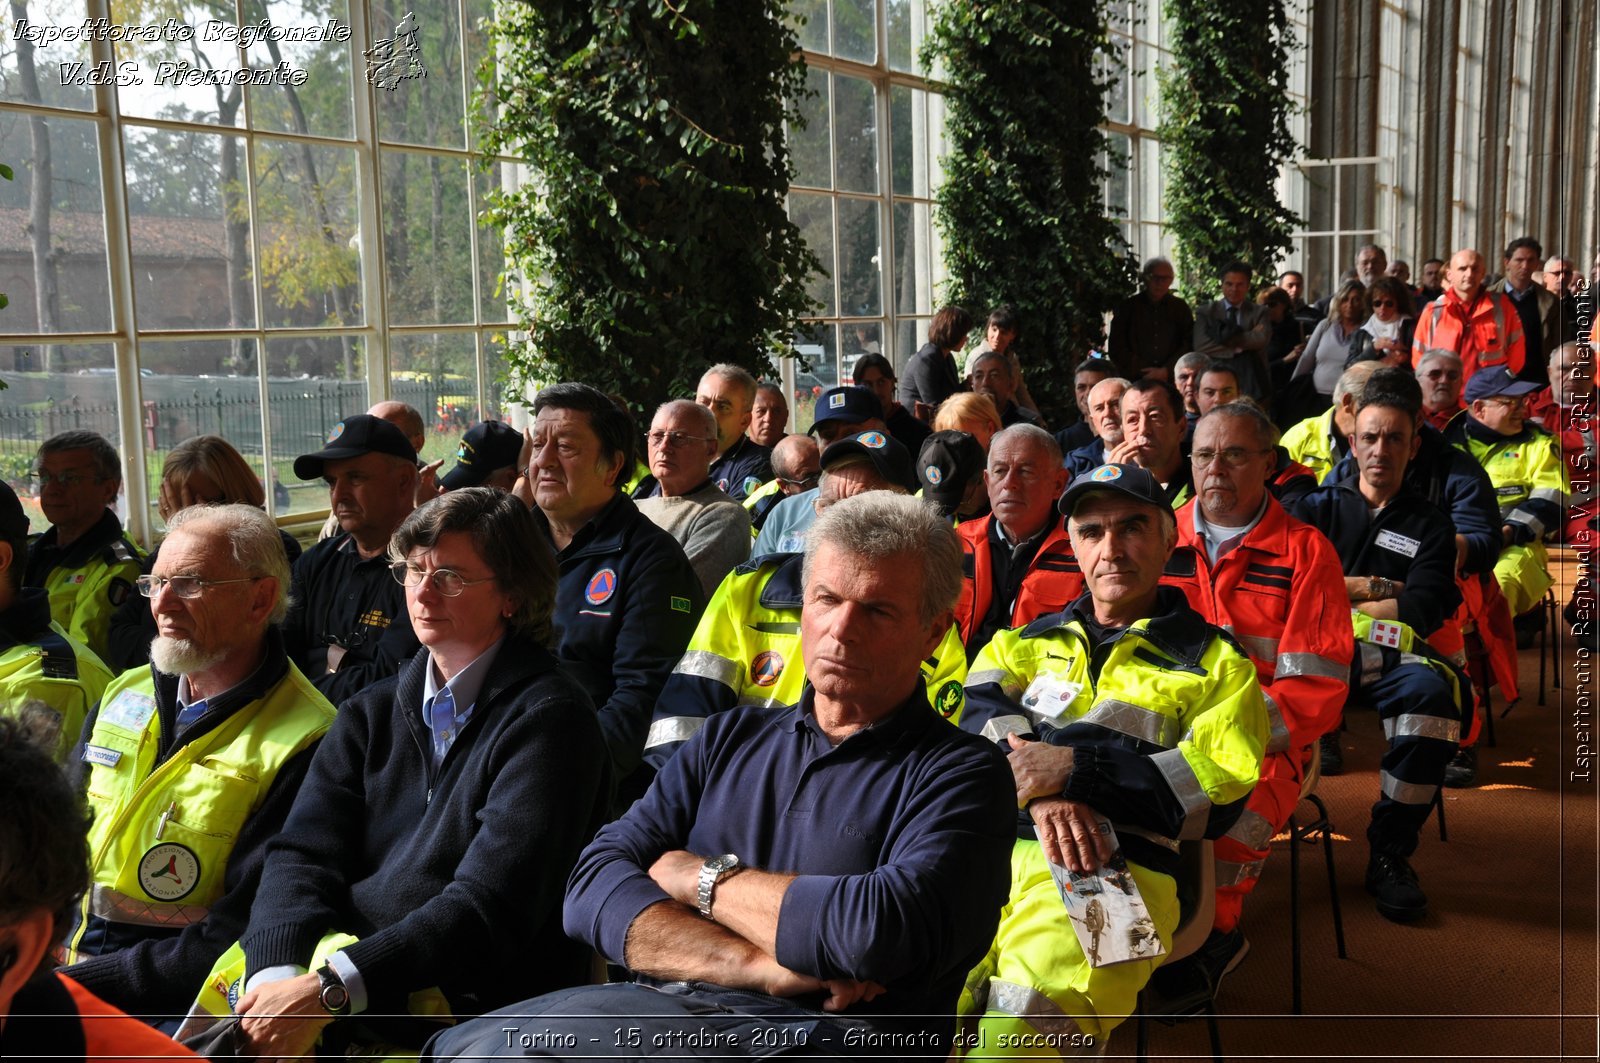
{"x":451,"y":877}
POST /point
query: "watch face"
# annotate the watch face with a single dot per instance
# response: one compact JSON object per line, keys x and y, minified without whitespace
{"x":335,"y":997}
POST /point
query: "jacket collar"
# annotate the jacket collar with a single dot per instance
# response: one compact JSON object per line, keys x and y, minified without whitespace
{"x":520,"y":660}
{"x":28,"y":616}
{"x":106,"y":530}
{"x":274,"y":665}
{"x":605,"y":533}
{"x":1174,"y":627}
{"x":783,"y":588}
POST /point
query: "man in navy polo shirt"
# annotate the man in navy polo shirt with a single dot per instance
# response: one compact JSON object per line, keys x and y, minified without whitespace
{"x":818,"y":876}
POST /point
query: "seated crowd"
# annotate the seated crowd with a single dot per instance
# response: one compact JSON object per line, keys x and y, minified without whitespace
{"x":767,"y":740}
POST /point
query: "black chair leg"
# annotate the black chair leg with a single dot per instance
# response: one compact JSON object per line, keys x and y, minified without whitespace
{"x":1294,"y":917}
{"x":1141,"y":1046}
{"x":1333,"y":881}
{"x":1216,"y":1035}
{"x":1438,"y":804}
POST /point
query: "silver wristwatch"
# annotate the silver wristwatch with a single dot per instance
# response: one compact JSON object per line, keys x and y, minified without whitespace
{"x":711,"y":873}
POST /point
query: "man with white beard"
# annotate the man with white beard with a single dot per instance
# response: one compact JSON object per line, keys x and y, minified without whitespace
{"x":190,"y":766}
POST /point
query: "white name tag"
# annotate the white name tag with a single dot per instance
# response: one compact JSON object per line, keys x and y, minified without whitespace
{"x":129,"y":711}
{"x":1398,"y":543}
{"x":106,"y":758}
{"x":1049,"y":695}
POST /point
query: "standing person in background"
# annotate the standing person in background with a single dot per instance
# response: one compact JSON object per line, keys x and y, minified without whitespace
{"x":1000,"y":336}
{"x":931,"y":376}
{"x":1538,"y":309}
{"x":1430,"y":285}
{"x":1480,"y":325}
{"x":1152,"y":327}
{"x":1386,"y":335}
{"x":1557,"y":280}
{"x":1237,"y":329}
{"x":1329,"y":345}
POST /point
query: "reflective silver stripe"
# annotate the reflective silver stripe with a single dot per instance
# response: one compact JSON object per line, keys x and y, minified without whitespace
{"x":673,"y":729}
{"x":1371,"y":661}
{"x":1290,"y":664}
{"x":1278,"y":737}
{"x":1148,"y":835}
{"x":713,"y":666}
{"x":1000,"y":726}
{"x":1260,"y":647}
{"x":1186,"y":788}
{"x":1416,"y":725}
{"x":1548,"y":494}
{"x":1253,"y":830}
{"x":998,"y":677}
{"x":1229,"y":874}
{"x":1135,"y":721}
{"x":1407,"y":793}
{"x":1031,"y":1006}
{"x":1522,"y":516}
{"x":107,"y":903}
{"x":1500,"y":327}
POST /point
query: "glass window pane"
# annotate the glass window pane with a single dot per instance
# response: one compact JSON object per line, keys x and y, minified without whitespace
{"x":437,"y":373}
{"x":1119,"y":94}
{"x":855,"y":135}
{"x":858,"y":338}
{"x":313,"y":383}
{"x":475,"y":35}
{"x":62,"y":251}
{"x":307,"y":208}
{"x":860,"y":287}
{"x":937,"y":146}
{"x":904,"y":24}
{"x":810,"y":18}
{"x":913,"y":263}
{"x":416,"y":73}
{"x":78,"y":392}
{"x":494,"y":302}
{"x":187,"y":80}
{"x":501,"y":393}
{"x":34,"y":70}
{"x":903,"y":158}
{"x":320,"y":104}
{"x":427,"y":248}
{"x":909,"y":336}
{"x":1119,"y":197}
{"x":808,"y":146}
{"x":813,"y":215}
{"x":815,"y":372}
{"x":189,"y":229}
{"x":193,"y":388}
{"x":855,"y":30}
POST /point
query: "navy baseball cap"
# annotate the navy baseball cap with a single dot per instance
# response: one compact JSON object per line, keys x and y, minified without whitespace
{"x":13,"y":521}
{"x":949,"y":462}
{"x":485,"y":448}
{"x":848,"y":403}
{"x":891,"y":460}
{"x":1128,"y":480}
{"x":353,"y":437}
{"x":1494,"y":380}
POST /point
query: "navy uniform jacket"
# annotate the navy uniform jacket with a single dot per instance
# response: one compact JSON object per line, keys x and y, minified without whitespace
{"x":746,"y":466}
{"x":1410,"y":541}
{"x":626,"y":604}
{"x":341,"y":599}
{"x":1455,"y":483}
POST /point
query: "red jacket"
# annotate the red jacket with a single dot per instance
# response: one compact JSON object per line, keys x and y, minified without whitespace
{"x":1485,"y":332}
{"x":53,"y":1017}
{"x":1052,"y":581}
{"x":1281,"y":593}
{"x":1578,"y":428}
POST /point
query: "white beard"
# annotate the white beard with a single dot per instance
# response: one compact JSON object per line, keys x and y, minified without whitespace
{"x":182,"y":656}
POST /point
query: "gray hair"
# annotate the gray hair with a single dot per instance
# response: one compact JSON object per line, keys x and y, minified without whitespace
{"x":876,"y":526}
{"x":1245,"y":410}
{"x":987,"y":356}
{"x":505,"y":537}
{"x":739,"y":375}
{"x":1352,"y":380}
{"x":1151,"y":263}
{"x":1571,"y":346}
{"x":708,"y":420}
{"x":1033,"y":433}
{"x":107,"y":466}
{"x":253,"y":540}
{"x":1194,"y":359}
{"x":1437,"y":354}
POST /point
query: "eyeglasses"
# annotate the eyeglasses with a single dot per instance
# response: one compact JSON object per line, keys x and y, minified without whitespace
{"x":1376,"y":303}
{"x":183,"y":586}
{"x":65,"y":479}
{"x":805,"y":484}
{"x":1231,"y":456}
{"x":659,"y":438}
{"x":447,"y":582}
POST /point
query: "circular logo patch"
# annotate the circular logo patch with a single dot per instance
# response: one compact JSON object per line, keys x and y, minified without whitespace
{"x":751,"y":483}
{"x":1105,"y":473}
{"x":338,"y":430}
{"x":766,"y":668}
{"x":169,"y":872}
{"x":872,"y":439}
{"x":933,"y":475}
{"x":949,"y":699}
{"x":601,"y":586}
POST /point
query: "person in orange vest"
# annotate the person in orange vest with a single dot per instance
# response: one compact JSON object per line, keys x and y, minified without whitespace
{"x":1480,"y":326}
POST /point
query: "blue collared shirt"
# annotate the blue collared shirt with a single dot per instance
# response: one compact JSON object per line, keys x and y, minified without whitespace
{"x":462,"y":690}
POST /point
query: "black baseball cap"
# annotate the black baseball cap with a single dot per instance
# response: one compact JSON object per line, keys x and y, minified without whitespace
{"x":13,"y":522}
{"x":485,"y":448}
{"x":353,"y":437}
{"x":1494,"y":380}
{"x":949,"y":462}
{"x":888,"y":456}
{"x":1128,"y":480}
{"x":848,"y":403}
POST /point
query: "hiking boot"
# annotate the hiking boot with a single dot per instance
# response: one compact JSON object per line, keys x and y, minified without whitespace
{"x":1463,"y":770}
{"x":1393,"y":884}
{"x":1187,"y":985}
{"x":1332,"y":755}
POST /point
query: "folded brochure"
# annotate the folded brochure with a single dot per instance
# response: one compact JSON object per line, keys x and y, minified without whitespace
{"x":1108,"y":915}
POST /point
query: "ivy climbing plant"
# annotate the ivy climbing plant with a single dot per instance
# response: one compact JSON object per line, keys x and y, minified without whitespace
{"x":1021,"y":209}
{"x":1225,"y":132}
{"x":651,"y":239}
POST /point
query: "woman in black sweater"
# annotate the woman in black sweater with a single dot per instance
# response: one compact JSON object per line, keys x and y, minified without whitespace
{"x":932,"y":376}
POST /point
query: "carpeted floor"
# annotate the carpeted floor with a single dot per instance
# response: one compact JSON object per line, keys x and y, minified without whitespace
{"x":1506,"y":964}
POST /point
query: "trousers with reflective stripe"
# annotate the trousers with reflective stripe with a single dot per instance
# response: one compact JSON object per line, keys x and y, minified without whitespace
{"x":1035,"y":985}
{"x":1423,"y":704}
{"x":1242,"y":852}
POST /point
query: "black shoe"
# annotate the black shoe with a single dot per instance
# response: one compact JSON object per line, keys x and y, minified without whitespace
{"x":1186,"y":986}
{"x":1463,"y":770}
{"x":1332,"y":755}
{"x":1527,"y":627}
{"x":1392,"y":882}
